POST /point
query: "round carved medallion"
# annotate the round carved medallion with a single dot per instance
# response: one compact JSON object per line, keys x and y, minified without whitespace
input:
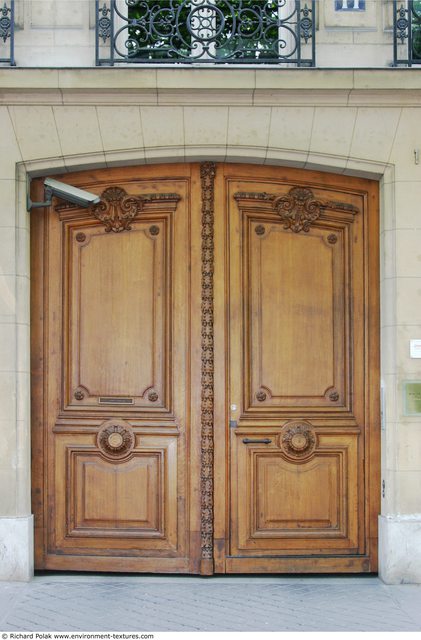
{"x":116,"y":439}
{"x":298,"y":440}
{"x":261,"y":396}
{"x":260,"y":230}
{"x":153,"y":396}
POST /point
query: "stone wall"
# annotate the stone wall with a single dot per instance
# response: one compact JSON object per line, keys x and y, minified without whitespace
{"x":363,"y":123}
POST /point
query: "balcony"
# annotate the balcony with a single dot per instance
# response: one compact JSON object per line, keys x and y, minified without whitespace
{"x":280,"y":32}
{"x":276,"y":33}
{"x":407,"y":33}
{"x":7,"y":33}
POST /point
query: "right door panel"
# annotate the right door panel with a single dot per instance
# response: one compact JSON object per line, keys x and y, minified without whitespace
{"x":299,"y":391}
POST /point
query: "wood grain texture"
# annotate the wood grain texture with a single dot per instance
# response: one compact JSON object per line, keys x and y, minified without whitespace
{"x":302,"y":257}
{"x":112,"y":413}
{"x":300,"y":505}
{"x":232,"y":304}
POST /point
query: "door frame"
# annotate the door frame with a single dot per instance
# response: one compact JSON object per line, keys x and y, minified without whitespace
{"x":220,"y":516}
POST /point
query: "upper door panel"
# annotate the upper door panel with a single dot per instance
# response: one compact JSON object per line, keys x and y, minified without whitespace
{"x":299,"y":285}
{"x":118,"y":290}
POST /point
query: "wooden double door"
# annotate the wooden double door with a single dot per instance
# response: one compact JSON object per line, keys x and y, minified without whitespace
{"x":205,"y":372}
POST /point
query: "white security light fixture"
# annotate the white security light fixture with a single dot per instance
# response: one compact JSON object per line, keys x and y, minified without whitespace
{"x":64,"y":191}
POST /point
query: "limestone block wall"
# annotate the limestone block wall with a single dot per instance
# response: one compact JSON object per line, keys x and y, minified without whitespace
{"x":55,"y":33}
{"x":355,"y":38}
{"x":362,"y":123}
{"x":15,"y":507}
{"x":61,"y":33}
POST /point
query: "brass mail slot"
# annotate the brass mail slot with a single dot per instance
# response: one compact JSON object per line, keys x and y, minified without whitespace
{"x":115,"y":401}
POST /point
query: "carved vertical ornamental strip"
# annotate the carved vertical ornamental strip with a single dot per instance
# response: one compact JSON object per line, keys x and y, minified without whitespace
{"x":207,"y":175}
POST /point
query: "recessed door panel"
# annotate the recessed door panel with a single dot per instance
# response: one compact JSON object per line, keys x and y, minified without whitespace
{"x":117,"y":289}
{"x":118,"y":297}
{"x":297,"y":503}
{"x":295,"y":325}
{"x":127,"y":501}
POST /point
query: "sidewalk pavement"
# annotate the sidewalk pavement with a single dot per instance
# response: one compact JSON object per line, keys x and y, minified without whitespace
{"x":103,"y":602}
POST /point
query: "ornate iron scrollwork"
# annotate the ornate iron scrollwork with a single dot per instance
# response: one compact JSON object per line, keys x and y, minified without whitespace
{"x":7,"y":29}
{"x":406,"y":33}
{"x":206,"y":31}
{"x":5,"y":22}
{"x":103,"y":23}
{"x":402,"y":24}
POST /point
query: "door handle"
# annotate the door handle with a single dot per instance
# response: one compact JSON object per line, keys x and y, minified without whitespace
{"x":257,"y":441}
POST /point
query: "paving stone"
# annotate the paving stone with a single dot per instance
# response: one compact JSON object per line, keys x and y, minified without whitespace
{"x":82,"y":602}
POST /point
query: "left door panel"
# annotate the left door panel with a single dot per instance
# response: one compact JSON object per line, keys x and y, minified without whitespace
{"x":111,"y":378}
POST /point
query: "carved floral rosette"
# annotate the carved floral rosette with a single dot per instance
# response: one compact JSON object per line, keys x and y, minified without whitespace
{"x":116,"y":439}
{"x":298,"y":440}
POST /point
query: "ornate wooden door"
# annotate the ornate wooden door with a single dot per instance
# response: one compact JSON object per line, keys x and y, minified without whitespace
{"x":302,"y":371}
{"x":111,"y":365}
{"x":205,"y":372}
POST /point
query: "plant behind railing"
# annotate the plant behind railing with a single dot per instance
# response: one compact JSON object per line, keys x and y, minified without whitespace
{"x":215,"y":31}
{"x":416,"y":31}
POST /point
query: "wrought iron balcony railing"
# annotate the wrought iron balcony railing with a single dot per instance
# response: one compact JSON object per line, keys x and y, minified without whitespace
{"x":7,"y":33}
{"x":406,"y":32}
{"x":205,"y":31}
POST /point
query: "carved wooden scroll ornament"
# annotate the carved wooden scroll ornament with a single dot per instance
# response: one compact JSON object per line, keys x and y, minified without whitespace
{"x":207,"y":174}
{"x":298,"y":208}
{"x":117,"y":209}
